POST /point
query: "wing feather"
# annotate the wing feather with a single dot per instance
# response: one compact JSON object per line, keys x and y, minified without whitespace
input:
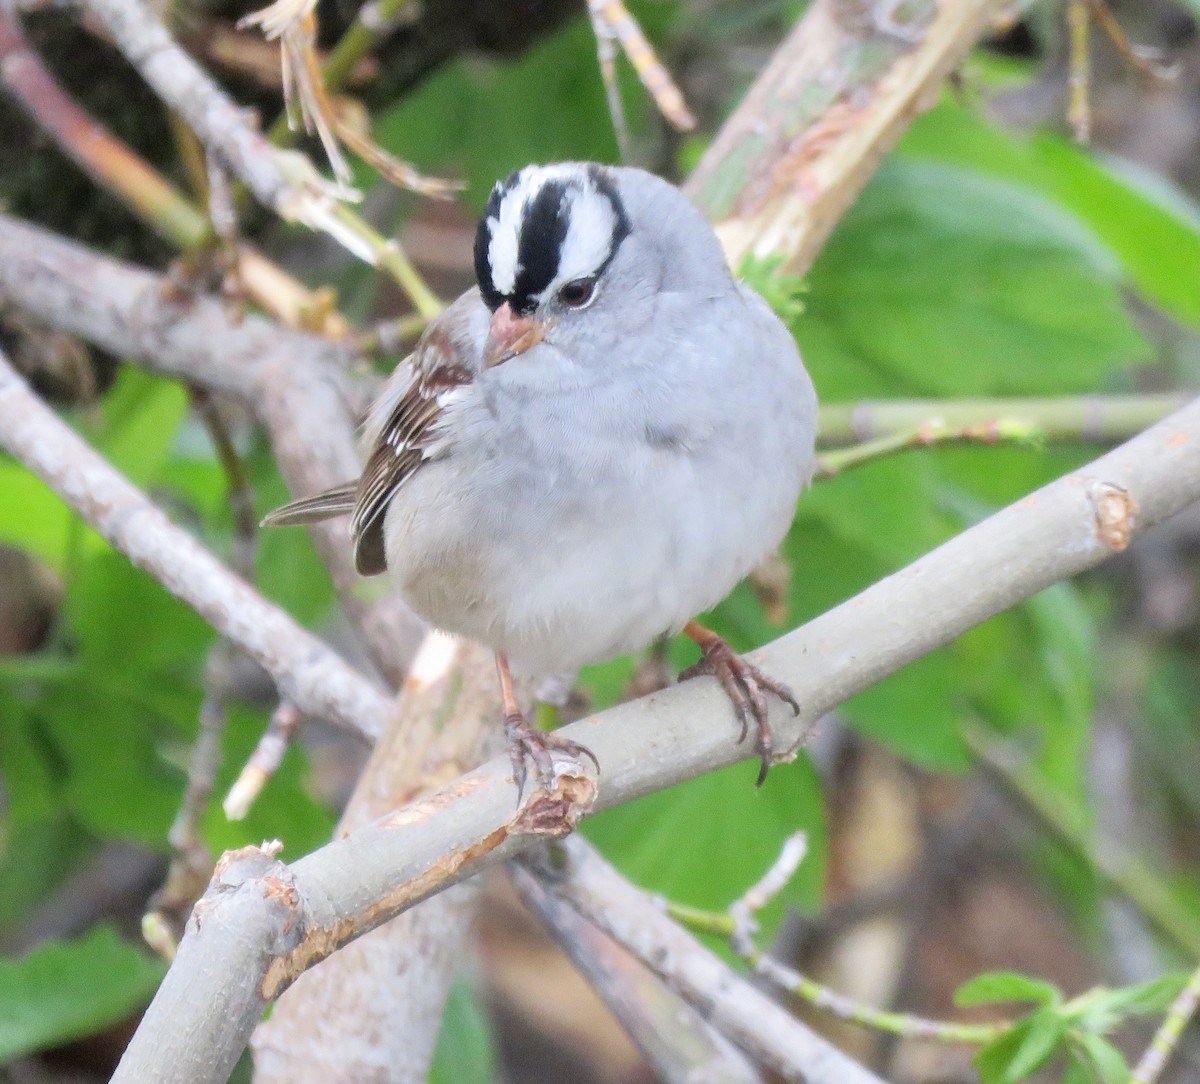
{"x":402,"y":429}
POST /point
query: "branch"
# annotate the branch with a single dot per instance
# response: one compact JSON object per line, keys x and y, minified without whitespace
{"x":222,"y":125}
{"x":286,"y":182}
{"x":401,"y":972}
{"x":577,"y":874}
{"x":679,"y":1043}
{"x":1064,"y":528}
{"x":292,"y":381}
{"x":305,"y":670}
{"x":1098,"y":419}
{"x":810,"y":133}
{"x":1166,"y":1039}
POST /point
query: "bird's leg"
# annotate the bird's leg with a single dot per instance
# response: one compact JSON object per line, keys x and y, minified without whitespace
{"x":745,"y":685}
{"x":526,"y":742}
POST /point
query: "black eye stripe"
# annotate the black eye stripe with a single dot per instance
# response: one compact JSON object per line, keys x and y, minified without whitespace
{"x":543,"y":232}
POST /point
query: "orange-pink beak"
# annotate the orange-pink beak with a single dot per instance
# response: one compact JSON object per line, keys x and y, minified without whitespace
{"x":510,"y":335}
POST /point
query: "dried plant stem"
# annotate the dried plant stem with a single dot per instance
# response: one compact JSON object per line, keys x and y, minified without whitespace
{"x":1147,"y":62}
{"x":117,"y":169}
{"x":1166,"y":1039}
{"x":613,"y":25}
{"x":264,"y":761}
{"x":90,"y":146}
{"x":1079,"y":67}
{"x":290,"y":186}
{"x":221,"y":124}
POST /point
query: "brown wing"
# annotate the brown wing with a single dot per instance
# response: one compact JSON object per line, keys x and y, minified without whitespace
{"x":333,"y":502}
{"x":401,"y":431}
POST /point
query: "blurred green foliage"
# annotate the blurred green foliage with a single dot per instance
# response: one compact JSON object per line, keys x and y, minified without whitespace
{"x":974,"y":263}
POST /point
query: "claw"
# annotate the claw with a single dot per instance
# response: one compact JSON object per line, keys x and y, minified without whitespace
{"x":525,"y":743}
{"x":745,"y":685}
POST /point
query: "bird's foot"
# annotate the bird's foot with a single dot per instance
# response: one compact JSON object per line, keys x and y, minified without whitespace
{"x":746,"y":686}
{"x":526,"y":744}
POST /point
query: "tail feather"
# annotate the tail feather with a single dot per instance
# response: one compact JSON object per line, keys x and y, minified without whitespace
{"x":333,"y":502}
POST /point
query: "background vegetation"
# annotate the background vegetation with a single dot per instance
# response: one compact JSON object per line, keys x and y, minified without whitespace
{"x":1025,"y":799}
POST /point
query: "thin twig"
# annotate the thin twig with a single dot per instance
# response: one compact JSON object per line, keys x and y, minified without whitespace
{"x":676,"y":1041}
{"x":191,"y":860}
{"x":118,"y":170}
{"x":1079,"y":70}
{"x":1095,"y":419}
{"x":1166,"y":1039}
{"x":264,"y":761}
{"x":577,"y":874}
{"x":222,"y":125}
{"x":612,"y":22}
{"x":1147,"y":62}
{"x":307,"y":671}
{"x":284,"y":181}
{"x":932,"y":433}
{"x":737,"y":926}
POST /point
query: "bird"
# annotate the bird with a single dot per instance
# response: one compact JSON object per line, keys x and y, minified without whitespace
{"x":590,"y":447}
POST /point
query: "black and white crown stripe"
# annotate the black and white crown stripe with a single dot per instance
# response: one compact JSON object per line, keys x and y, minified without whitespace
{"x":546,"y":226}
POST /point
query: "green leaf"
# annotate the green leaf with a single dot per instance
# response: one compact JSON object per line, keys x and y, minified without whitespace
{"x":1046,"y":1032}
{"x":35,"y":857}
{"x":1078,"y":1072}
{"x":1107,"y":1061}
{"x":953,"y":283}
{"x":994,"y":986}
{"x":733,"y":831}
{"x":1156,"y":238}
{"x":471,"y":119}
{"x":466,"y":1048}
{"x":1143,"y":999}
{"x":993,"y":1060}
{"x":916,"y":712}
{"x":142,"y":415}
{"x":112,"y":607}
{"x":67,"y":989}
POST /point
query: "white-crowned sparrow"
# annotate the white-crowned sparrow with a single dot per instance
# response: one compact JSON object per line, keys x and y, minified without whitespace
{"x":589,"y":449}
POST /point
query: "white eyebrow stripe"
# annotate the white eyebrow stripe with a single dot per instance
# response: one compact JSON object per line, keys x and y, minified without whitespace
{"x":505,"y":231}
{"x":592,"y":225}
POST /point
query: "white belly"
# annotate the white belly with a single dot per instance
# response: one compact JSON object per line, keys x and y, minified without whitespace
{"x":597,"y":570}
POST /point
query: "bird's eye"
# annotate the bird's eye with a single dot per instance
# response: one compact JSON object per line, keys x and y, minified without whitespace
{"x":577,"y":292}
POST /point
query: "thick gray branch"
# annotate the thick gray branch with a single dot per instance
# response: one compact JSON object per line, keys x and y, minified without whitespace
{"x":306,"y":671}
{"x":764,"y":1029}
{"x":1062,"y":529}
